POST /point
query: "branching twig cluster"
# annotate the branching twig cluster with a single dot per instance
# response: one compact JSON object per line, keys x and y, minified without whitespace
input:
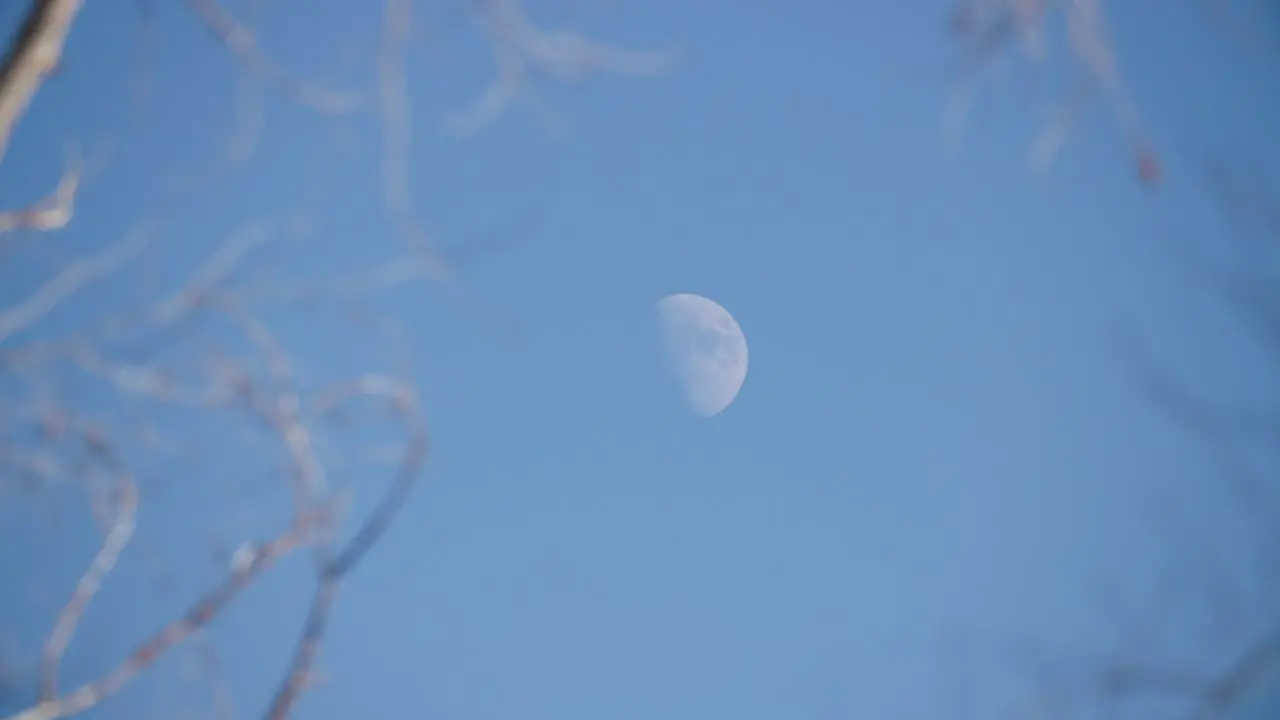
{"x":1237,"y":603}
{"x":231,"y":386}
{"x":519,"y":47}
{"x":50,"y":436}
{"x":984,"y":28}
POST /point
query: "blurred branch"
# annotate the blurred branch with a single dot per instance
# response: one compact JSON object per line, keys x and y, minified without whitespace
{"x":1262,"y":656}
{"x":213,"y":602}
{"x":32,"y":54}
{"x":278,"y":404}
{"x":54,"y":211}
{"x":1210,"y":697}
{"x":393,"y":96}
{"x":142,"y":360}
{"x":1248,"y":34}
{"x":422,"y":259}
{"x":334,"y":568}
{"x":983,"y":28}
{"x":1204,"y":690}
{"x":519,"y":46}
{"x":114,"y":543}
{"x":242,"y":43}
{"x":70,"y":281}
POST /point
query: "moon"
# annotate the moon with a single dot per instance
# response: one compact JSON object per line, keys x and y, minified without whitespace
{"x":706,"y":349}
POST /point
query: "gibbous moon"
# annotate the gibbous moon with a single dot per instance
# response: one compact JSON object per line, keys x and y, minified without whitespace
{"x":706,"y":349}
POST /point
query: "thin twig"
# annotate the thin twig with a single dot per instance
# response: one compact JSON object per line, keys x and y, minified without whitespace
{"x":70,"y":280}
{"x":519,"y":47}
{"x":114,"y":543}
{"x":213,"y":602}
{"x":244,"y":46}
{"x":405,"y":406}
{"x":52,"y":212}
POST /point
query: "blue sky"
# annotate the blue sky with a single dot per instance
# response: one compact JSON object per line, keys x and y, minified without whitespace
{"x":935,"y":438}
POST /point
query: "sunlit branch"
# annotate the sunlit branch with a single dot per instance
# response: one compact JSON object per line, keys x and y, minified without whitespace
{"x":254,"y":564}
{"x":50,"y":213}
{"x":150,"y":382}
{"x":335,"y":567}
{"x":32,"y":54}
{"x":114,"y":543}
{"x":393,"y":97}
{"x":281,"y":410}
{"x":138,"y":355}
{"x":211,"y":275}
{"x":70,"y":280}
{"x":203,"y":290}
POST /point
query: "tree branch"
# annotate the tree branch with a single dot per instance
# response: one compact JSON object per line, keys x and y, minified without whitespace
{"x":32,"y":55}
{"x":52,"y":212}
{"x":244,"y":46}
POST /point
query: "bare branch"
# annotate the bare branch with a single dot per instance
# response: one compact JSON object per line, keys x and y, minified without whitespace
{"x":393,"y":96}
{"x":1238,"y":613}
{"x":405,"y":407}
{"x":1261,"y":658}
{"x":70,"y":280}
{"x":211,"y":275}
{"x":282,"y":411}
{"x":112,"y":546}
{"x":985,"y":27}
{"x":51,"y":213}
{"x":244,"y":46}
{"x":519,"y":46}
{"x":145,"y":355}
{"x":32,"y":55}
{"x":213,"y":602}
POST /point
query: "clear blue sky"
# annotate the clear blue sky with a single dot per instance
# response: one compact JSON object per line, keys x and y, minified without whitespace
{"x":935,"y":436}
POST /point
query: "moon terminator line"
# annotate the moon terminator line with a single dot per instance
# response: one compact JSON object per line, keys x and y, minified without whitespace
{"x":706,"y":348}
